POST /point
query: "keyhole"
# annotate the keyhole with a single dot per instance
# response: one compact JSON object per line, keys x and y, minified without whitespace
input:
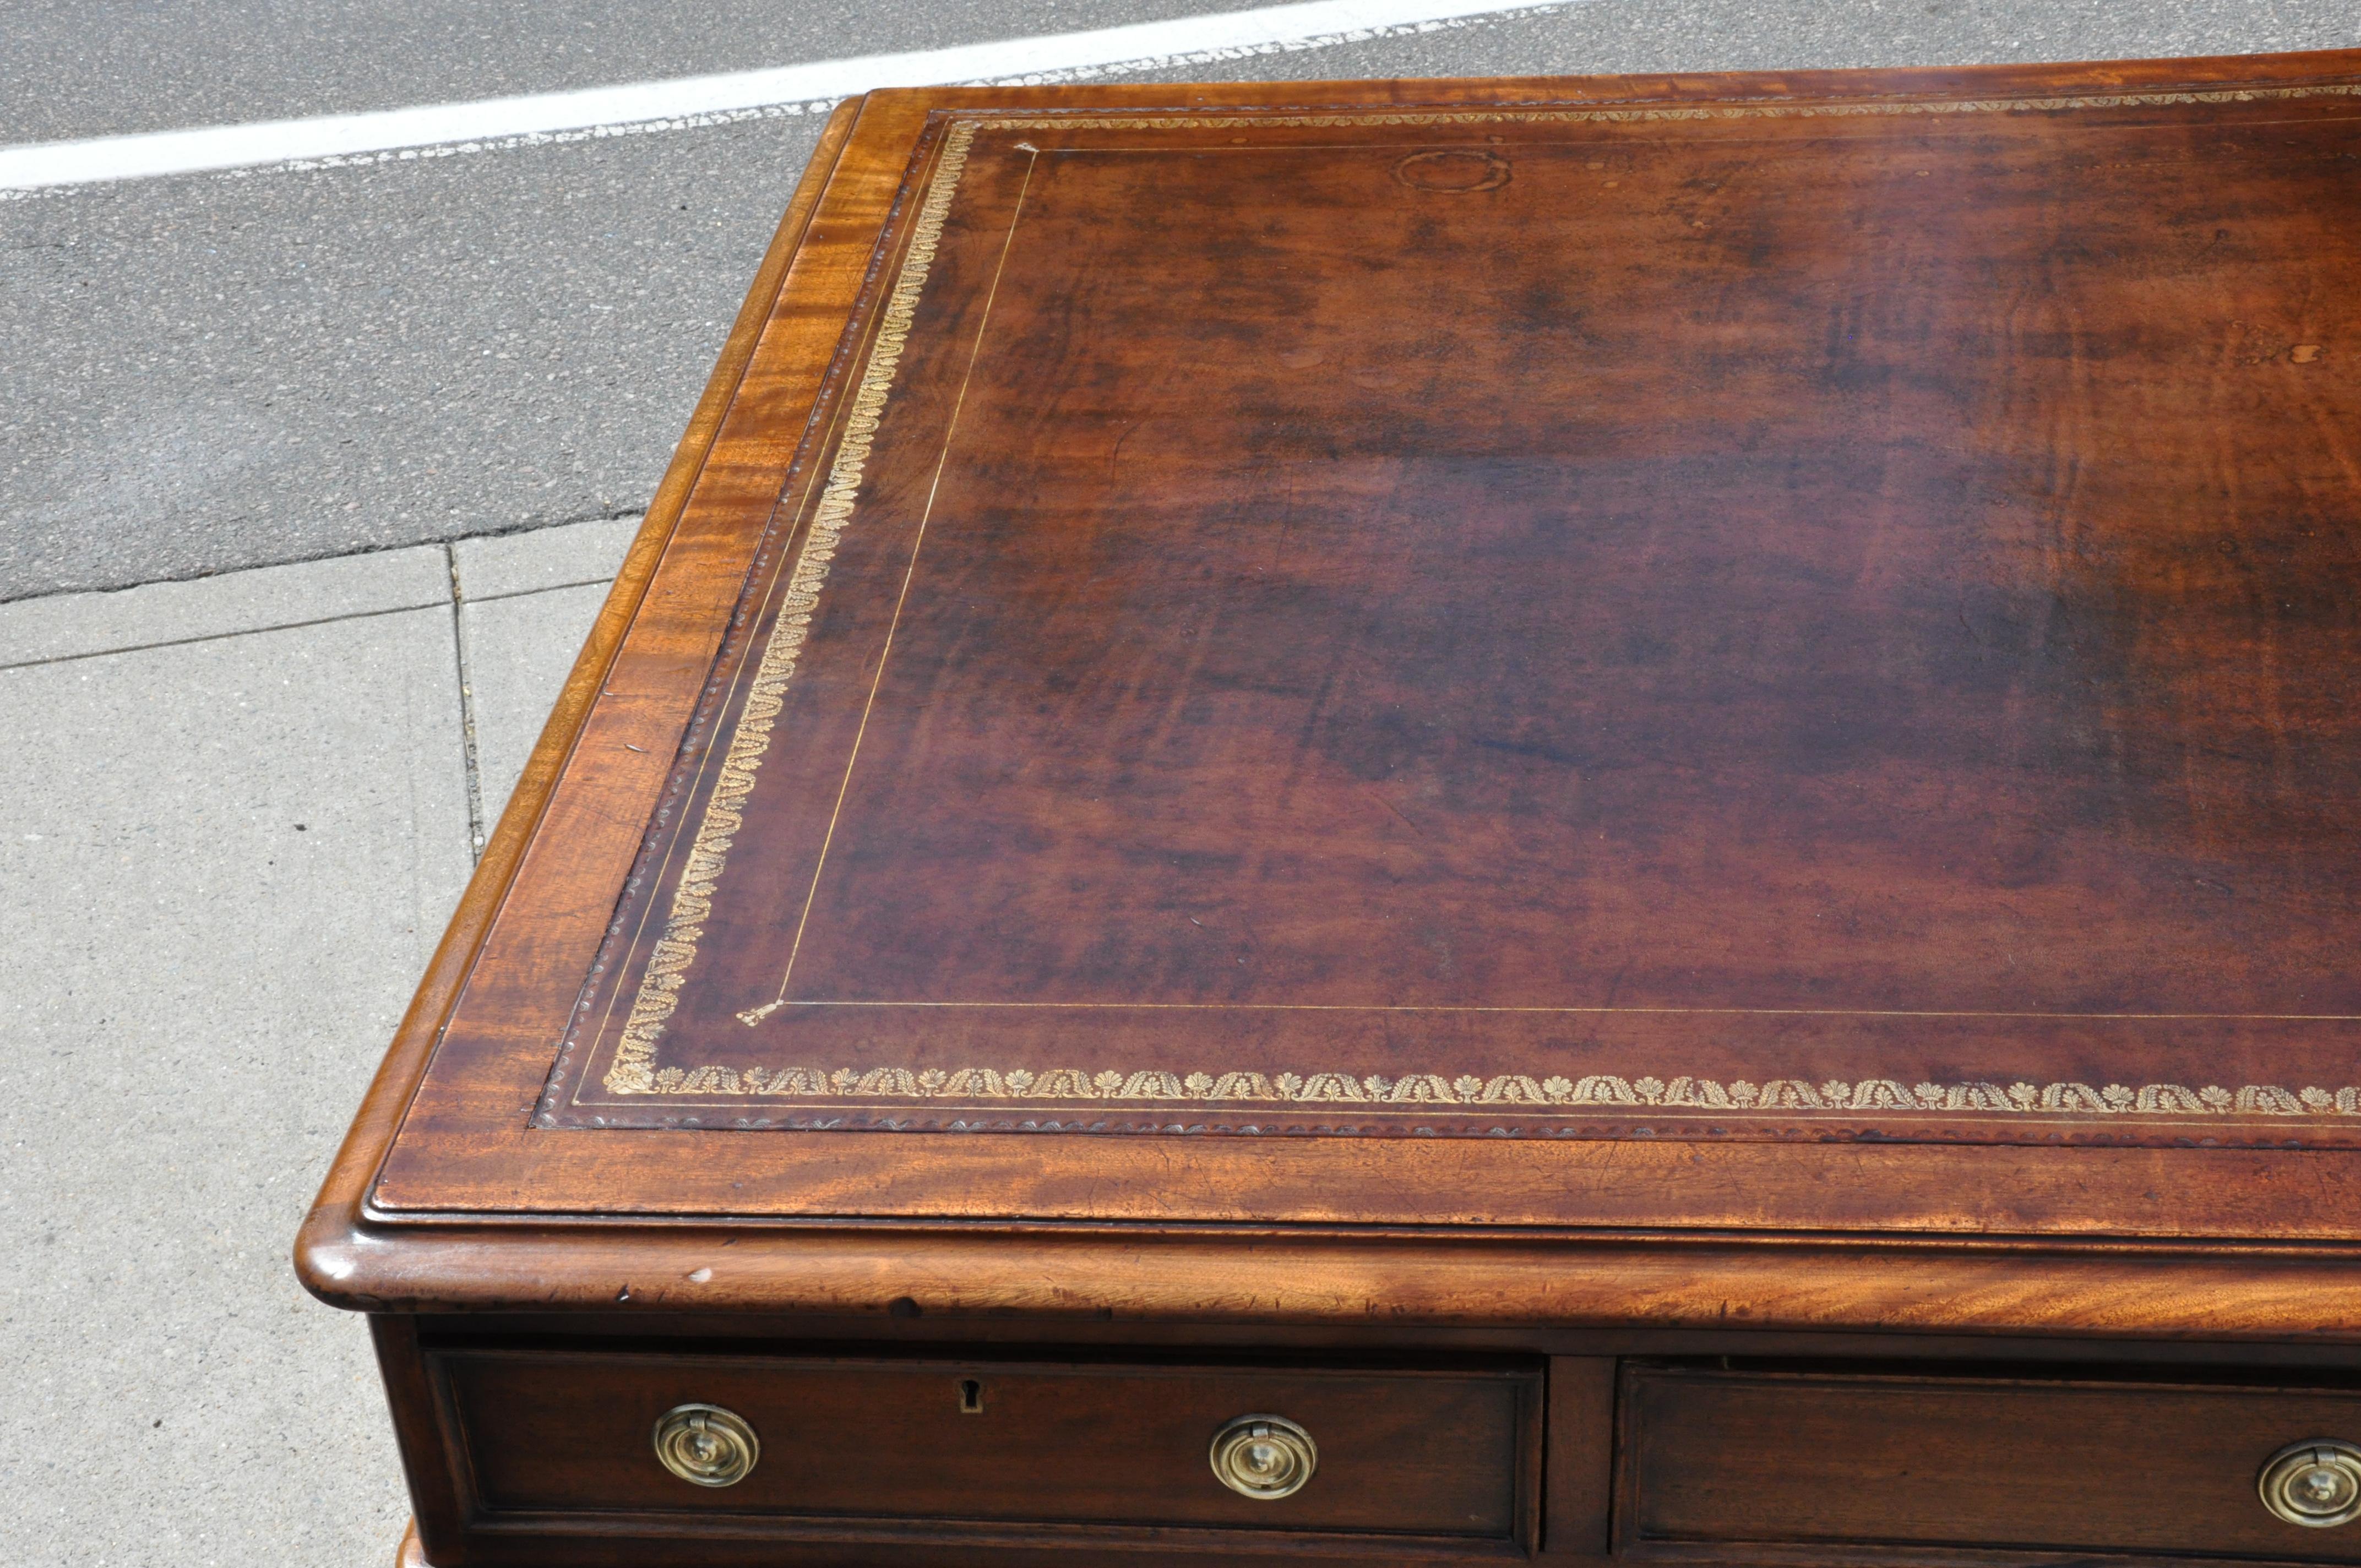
{"x":971,"y":1396}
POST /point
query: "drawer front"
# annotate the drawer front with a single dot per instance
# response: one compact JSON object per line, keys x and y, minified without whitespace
{"x":1434,"y":1454}
{"x":1725,"y":1464}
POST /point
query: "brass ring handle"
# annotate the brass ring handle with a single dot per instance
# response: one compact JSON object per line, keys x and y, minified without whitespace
{"x":2316,"y":1483}
{"x":1264,"y":1457}
{"x":706,"y":1445}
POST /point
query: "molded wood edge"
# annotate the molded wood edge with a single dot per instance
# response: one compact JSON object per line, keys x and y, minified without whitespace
{"x":1624,"y":1282}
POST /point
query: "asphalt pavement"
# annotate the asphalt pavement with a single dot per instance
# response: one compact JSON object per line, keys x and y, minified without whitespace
{"x":308,"y":481}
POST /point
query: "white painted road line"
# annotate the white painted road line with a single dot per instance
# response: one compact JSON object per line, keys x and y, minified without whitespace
{"x":701,"y":99}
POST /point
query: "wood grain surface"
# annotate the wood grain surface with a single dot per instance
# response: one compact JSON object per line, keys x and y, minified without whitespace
{"x":1812,"y":1462}
{"x":1404,"y":1452}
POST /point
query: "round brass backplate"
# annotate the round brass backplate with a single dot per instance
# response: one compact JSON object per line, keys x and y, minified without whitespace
{"x":707,"y":1444}
{"x":2315,"y":1483}
{"x":1264,"y":1457}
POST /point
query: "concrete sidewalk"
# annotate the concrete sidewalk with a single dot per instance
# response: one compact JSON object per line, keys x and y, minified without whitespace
{"x":239,"y":811}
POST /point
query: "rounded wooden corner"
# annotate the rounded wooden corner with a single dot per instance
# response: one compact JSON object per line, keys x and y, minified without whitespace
{"x":329,"y":1254}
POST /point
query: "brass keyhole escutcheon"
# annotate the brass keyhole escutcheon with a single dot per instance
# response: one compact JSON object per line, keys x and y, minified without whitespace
{"x":1264,"y":1457}
{"x":706,"y":1445}
{"x":2316,"y":1483}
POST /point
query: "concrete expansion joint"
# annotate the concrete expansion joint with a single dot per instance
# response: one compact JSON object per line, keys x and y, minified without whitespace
{"x":466,"y":710}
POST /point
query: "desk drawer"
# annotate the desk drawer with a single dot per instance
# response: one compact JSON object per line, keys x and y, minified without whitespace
{"x":1445,"y":1454}
{"x":1769,"y":1466}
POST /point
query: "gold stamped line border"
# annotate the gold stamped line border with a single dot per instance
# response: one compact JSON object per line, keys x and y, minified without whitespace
{"x":633,"y":1070}
{"x":1507,"y":1091}
{"x":717,"y":829}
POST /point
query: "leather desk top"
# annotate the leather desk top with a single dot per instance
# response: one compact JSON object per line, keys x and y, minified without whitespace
{"x":1741,"y":653}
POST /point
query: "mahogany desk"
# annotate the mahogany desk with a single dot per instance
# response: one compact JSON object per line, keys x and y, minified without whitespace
{"x":1440,"y":822}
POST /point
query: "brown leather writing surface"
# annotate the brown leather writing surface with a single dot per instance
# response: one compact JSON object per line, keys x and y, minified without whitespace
{"x":1693,"y":621}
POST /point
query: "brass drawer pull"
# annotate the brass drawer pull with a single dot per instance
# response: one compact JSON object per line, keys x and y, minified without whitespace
{"x":706,"y":1445}
{"x":1264,"y":1457}
{"x":2315,"y":1483}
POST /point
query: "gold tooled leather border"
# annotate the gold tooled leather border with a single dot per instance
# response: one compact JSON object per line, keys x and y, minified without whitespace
{"x":1508,"y":1091}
